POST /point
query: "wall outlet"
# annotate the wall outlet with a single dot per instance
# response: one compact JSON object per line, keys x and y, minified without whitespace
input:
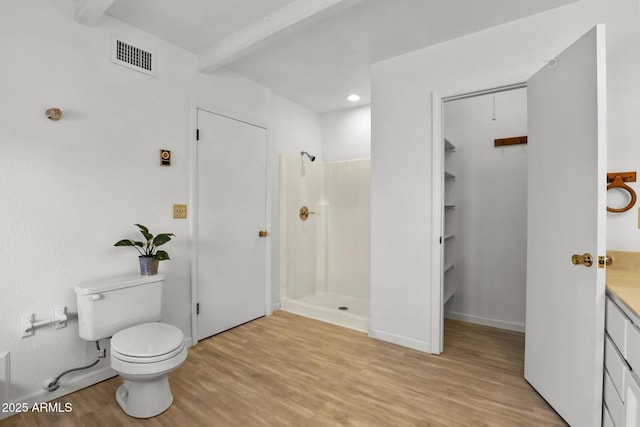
{"x":179,"y":211}
{"x":60,"y":317}
{"x":26,"y":325}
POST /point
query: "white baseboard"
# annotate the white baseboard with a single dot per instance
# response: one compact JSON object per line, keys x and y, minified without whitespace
{"x":66,"y":387}
{"x":486,"y":321}
{"x":424,"y":346}
{"x":275,"y":306}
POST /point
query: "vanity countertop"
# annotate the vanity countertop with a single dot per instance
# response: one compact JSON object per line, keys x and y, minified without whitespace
{"x":623,"y":281}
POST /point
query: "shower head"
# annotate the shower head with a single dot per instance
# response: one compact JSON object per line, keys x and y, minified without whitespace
{"x":309,"y":156}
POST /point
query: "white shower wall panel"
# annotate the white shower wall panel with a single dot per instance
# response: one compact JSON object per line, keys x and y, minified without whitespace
{"x":301,"y":185}
{"x":329,"y":252}
{"x":347,"y":192}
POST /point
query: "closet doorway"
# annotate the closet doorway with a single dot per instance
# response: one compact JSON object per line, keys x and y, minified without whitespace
{"x":485,"y":214}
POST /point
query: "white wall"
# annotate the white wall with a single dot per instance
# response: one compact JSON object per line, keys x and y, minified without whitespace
{"x":296,"y":129}
{"x":401,"y":134}
{"x":490,"y":218}
{"x":70,"y":189}
{"x":346,"y":134}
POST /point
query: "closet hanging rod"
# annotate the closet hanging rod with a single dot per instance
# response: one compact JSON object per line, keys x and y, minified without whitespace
{"x":485,"y":92}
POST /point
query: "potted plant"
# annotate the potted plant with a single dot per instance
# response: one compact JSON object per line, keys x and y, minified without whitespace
{"x":150,"y":256}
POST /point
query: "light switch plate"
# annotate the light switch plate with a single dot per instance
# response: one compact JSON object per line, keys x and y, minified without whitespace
{"x":179,"y":211}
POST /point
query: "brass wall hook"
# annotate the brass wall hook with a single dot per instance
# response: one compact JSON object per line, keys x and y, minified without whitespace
{"x":617,"y":180}
{"x":54,"y":114}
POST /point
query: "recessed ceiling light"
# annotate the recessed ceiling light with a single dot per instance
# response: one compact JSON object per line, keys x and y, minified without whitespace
{"x":353,"y":97}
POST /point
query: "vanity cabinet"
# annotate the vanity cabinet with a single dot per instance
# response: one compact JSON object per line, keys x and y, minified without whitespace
{"x":621,"y":393}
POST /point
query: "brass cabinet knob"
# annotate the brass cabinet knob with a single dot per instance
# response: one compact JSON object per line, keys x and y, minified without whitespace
{"x":263,"y":233}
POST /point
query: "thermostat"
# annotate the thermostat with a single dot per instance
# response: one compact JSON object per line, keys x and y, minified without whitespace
{"x":165,"y":158}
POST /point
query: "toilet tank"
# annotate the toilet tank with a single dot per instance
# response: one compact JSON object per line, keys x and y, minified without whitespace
{"x":110,"y":305}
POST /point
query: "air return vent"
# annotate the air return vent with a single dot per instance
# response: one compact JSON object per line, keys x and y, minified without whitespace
{"x":130,"y":56}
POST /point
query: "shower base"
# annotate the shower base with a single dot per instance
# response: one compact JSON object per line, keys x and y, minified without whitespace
{"x":331,"y":308}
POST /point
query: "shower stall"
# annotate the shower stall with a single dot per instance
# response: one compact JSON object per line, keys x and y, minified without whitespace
{"x":325,"y":240}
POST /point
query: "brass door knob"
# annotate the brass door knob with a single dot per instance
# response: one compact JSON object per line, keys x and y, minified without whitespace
{"x":263,"y":233}
{"x":586,"y":259}
{"x":304,"y":213}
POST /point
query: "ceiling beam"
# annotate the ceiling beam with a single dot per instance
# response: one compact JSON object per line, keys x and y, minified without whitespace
{"x":280,"y":23}
{"x":87,"y":12}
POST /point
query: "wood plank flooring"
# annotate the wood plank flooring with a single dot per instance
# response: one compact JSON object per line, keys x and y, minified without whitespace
{"x":287,"y":370}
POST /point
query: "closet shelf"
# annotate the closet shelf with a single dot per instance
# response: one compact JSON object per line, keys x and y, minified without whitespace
{"x":449,"y":223}
{"x":448,"y":294}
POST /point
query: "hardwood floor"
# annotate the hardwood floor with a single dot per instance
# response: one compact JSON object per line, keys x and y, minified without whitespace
{"x":287,"y":370}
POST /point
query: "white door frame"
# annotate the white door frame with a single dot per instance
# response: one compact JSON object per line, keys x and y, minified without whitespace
{"x":193,"y":200}
{"x":437,"y":191}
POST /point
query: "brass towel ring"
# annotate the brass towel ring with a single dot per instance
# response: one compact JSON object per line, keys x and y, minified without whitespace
{"x":618,"y":181}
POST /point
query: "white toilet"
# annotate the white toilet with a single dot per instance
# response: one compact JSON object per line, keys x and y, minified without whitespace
{"x":143,"y":351}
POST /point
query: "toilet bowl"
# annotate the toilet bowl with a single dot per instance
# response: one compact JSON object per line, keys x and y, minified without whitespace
{"x":143,"y":356}
{"x":143,"y":350}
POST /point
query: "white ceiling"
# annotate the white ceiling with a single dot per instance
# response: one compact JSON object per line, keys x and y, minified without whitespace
{"x":319,"y":61}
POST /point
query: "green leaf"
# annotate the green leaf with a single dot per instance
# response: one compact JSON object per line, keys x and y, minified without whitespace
{"x":161,"y":239}
{"x":145,"y":232}
{"x":142,"y":227}
{"x":126,"y":242}
{"x":162,"y":255}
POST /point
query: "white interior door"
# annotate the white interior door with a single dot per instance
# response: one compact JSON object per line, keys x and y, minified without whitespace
{"x":231,"y":200}
{"x":566,"y":216}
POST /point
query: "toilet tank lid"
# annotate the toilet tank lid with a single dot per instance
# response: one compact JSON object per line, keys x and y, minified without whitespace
{"x":113,"y":283}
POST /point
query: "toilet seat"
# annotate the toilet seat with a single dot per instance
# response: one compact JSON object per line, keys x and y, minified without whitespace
{"x":147,"y":343}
